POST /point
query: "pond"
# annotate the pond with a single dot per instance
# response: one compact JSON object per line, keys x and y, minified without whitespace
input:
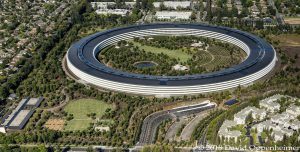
{"x":145,"y":64}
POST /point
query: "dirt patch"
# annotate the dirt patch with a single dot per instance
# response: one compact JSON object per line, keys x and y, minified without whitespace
{"x":288,"y":39}
{"x":292,"y":21}
{"x":291,"y":52}
{"x":55,"y":124}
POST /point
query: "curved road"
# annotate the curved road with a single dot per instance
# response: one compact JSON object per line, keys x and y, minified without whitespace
{"x":151,"y":122}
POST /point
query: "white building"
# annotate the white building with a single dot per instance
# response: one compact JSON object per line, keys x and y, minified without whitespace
{"x":229,"y":134}
{"x":264,"y":125}
{"x":197,"y":44}
{"x":278,"y":130}
{"x":295,"y":125}
{"x":180,"y":67}
{"x":2,"y":129}
{"x":168,"y":15}
{"x":105,"y":5}
{"x":270,"y":103}
{"x":173,"y":4}
{"x":101,"y":5}
{"x":293,"y":110}
{"x":278,"y":135}
{"x":122,"y":12}
{"x":281,"y":118}
{"x":241,"y":117}
{"x":101,"y":128}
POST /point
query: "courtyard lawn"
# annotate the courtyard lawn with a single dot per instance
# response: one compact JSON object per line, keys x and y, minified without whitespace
{"x":80,"y":108}
{"x":183,"y":57}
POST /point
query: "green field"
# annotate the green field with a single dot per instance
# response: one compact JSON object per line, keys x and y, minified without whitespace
{"x":80,"y":108}
{"x":183,"y":57}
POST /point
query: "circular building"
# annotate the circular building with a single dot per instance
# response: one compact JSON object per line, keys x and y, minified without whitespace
{"x":82,"y":61}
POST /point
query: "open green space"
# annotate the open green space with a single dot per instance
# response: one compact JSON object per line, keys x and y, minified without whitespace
{"x":80,"y":109}
{"x":177,"y":53}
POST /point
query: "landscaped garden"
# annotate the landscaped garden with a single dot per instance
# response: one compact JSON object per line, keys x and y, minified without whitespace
{"x":82,"y":112}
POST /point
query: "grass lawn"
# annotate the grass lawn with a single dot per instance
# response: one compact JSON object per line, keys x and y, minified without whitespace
{"x":183,"y":57}
{"x":80,"y":108}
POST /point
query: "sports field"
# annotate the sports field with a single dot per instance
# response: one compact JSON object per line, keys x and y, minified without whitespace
{"x":80,"y":109}
{"x":183,"y":57}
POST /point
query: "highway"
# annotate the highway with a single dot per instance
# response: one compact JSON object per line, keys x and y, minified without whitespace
{"x":151,"y":122}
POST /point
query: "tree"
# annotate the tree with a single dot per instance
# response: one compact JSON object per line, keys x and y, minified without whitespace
{"x":162,"y":6}
{"x":42,"y":148}
{"x":193,"y":16}
{"x":4,"y":92}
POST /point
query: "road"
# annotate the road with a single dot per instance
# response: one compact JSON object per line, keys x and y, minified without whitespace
{"x":279,"y":17}
{"x":62,"y":104}
{"x":151,"y":122}
{"x":191,"y":126}
{"x":172,"y":131}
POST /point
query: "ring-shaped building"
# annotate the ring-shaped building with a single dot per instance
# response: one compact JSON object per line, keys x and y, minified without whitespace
{"x":83,"y":63}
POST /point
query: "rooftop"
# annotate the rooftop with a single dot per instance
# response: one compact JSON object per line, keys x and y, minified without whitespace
{"x":34,"y":101}
{"x":173,"y":14}
{"x":173,"y":4}
{"x":19,"y":118}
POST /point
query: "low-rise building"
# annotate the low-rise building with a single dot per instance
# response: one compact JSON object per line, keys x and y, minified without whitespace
{"x":241,"y":117}
{"x":295,"y":125}
{"x":263,"y":125}
{"x":179,"y":67}
{"x":225,"y":131}
{"x":278,"y":131}
{"x":278,"y":135}
{"x":101,"y":5}
{"x":293,"y":110}
{"x":281,"y":118}
{"x":172,"y":15}
{"x":2,"y":129}
{"x":122,"y":12}
{"x":18,"y":118}
{"x":270,"y":103}
{"x":173,"y":4}
{"x":101,"y":128}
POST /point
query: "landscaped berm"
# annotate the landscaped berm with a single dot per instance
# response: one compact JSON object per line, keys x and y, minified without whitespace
{"x":79,"y":110}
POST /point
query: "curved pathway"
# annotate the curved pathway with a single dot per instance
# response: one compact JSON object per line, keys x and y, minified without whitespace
{"x":190,"y":127}
{"x":61,"y":105}
{"x":151,"y":122}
